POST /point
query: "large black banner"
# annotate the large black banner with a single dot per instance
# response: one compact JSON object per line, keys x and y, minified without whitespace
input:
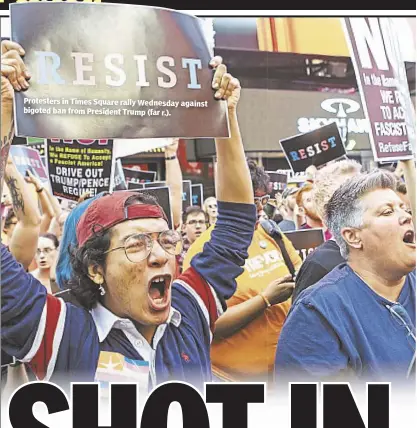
{"x":313,"y":148}
{"x":114,"y":71}
{"x":79,"y":166}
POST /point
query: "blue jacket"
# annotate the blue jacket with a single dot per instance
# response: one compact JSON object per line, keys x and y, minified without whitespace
{"x":340,"y":326}
{"x":62,"y":342}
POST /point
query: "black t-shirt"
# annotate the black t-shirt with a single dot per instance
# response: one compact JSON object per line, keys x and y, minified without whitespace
{"x":317,"y":265}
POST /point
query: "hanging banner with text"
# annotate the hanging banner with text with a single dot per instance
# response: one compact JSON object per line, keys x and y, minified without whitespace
{"x":305,"y":241}
{"x":383,"y":86}
{"x":28,"y":159}
{"x":186,"y":194}
{"x":148,"y":77}
{"x":197,"y":195}
{"x":277,"y":184}
{"x":136,"y":177}
{"x":313,"y":148}
{"x":119,"y":181}
{"x":79,"y":166}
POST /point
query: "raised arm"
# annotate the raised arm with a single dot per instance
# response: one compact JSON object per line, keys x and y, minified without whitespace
{"x":24,"y":240}
{"x":223,"y":256}
{"x":13,"y":77}
{"x":47,"y":211}
{"x":173,"y":178}
{"x":233,"y":182}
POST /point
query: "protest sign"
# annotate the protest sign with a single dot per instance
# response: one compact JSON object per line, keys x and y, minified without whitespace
{"x":155,"y":184}
{"x":28,"y":159}
{"x":197,"y":195}
{"x":277,"y":182}
{"x":119,"y":181}
{"x":128,"y":147}
{"x":383,"y":86}
{"x":136,"y":176}
{"x":163,"y":196}
{"x":79,"y":166}
{"x":306,"y":240}
{"x":186,"y":194}
{"x":313,"y":148}
{"x":132,"y":185}
{"x":152,"y":80}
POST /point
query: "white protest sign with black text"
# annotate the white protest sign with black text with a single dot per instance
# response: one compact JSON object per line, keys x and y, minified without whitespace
{"x":79,"y":166}
{"x":383,"y":86}
{"x":145,"y":74}
{"x":313,"y":148}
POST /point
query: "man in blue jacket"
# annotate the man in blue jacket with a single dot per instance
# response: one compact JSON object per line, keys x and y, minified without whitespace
{"x":358,"y":322}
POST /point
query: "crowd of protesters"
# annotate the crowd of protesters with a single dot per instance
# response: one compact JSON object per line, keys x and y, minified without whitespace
{"x":221,"y":296}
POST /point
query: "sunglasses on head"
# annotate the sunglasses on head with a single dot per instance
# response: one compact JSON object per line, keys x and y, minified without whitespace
{"x":263,"y":200}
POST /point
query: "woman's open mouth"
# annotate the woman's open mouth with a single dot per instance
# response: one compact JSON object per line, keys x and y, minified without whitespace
{"x":159,"y":292}
{"x":409,"y":238}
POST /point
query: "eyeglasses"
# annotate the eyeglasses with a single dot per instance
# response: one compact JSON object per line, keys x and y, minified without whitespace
{"x":44,"y":250}
{"x":194,"y":222}
{"x":138,"y":247}
{"x":402,"y":316}
{"x":263,"y":200}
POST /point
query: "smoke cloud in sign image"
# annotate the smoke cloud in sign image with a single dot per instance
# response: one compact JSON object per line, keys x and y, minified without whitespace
{"x":114,"y":71}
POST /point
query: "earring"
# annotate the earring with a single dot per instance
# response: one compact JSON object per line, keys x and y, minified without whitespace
{"x":102,"y":290}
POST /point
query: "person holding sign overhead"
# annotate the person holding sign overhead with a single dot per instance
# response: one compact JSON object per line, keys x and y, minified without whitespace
{"x":123,"y":273}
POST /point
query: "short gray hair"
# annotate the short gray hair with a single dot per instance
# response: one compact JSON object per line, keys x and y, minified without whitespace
{"x":345,"y":209}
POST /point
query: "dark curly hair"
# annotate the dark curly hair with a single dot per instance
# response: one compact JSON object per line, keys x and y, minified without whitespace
{"x":260,"y":179}
{"x":92,"y":253}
